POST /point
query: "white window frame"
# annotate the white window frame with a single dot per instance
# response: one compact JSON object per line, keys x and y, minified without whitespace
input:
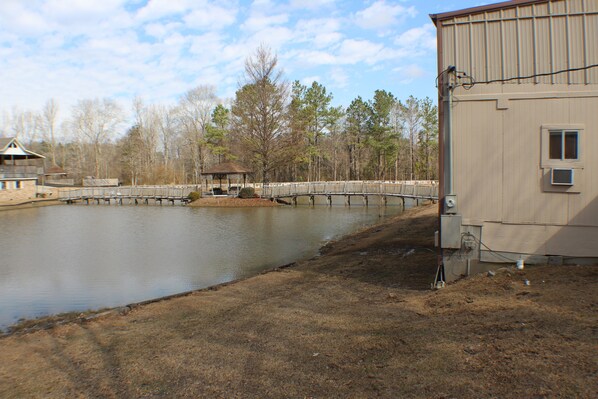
{"x":546,"y":162}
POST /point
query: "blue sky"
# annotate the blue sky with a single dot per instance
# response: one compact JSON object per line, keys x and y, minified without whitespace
{"x":158,"y":49}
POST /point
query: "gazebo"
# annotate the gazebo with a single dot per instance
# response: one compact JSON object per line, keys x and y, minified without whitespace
{"x":224,"y":171}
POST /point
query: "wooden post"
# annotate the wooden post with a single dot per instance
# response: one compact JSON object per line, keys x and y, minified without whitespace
{"x":383,"y":200}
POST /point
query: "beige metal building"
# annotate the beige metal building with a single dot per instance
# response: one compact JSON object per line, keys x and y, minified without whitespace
{"x":518,"y":85}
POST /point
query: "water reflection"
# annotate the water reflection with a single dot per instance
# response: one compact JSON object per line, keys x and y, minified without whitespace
{"x":74,"y":258}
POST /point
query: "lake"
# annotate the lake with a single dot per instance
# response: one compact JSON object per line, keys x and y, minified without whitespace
{"x":82,"y":257}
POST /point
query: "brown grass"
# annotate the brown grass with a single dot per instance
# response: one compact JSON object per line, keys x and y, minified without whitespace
{"x":357,"y":322}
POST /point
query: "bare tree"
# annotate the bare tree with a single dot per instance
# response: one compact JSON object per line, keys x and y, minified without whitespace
{"x":47,"y":125}
{"x":412,"y":119}
{"x":24,"y":124}
{"x":94,"y":123}
{"x":167,"y":130}
{"x":195,"y":113}
{"x":259,"y":112}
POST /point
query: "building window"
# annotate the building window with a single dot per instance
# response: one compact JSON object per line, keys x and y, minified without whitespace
{"x":562,"y":158}
{"x":563,"y":145}
{"x":2,"y":185}
{"x":18,"y":184}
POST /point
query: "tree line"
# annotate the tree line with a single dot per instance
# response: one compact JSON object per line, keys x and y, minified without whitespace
{"x":283,"y":131}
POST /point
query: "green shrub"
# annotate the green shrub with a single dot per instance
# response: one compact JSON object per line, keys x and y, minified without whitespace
{"x":193,"y":196}
{"x":247,"y":192}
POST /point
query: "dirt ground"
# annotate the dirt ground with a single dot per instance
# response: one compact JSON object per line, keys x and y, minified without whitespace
{"x":359,"y":321}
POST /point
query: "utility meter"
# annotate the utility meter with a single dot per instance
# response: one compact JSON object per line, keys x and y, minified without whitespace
{"x":450,"y":204}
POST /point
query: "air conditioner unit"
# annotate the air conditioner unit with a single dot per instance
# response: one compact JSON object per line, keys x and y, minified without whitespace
{"x":561,"y":177}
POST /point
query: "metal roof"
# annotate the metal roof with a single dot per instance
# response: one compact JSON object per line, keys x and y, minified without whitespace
{"x":486,"y":8}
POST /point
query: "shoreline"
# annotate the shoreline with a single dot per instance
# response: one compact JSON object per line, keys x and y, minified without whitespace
{"x":359,"y":320}
{"x":28,"y":326}
{"x":29,"y":203}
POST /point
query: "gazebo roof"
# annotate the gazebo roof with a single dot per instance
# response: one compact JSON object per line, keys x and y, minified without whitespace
{"x":227,"y":168}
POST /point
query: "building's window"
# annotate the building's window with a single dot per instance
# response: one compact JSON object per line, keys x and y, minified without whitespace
{"x":2,"y":185}
{"x":18,"y":184}
{"x":562,"y":157}
{"x":563,"y":145}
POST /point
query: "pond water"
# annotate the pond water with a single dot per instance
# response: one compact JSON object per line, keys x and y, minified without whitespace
{"x":81,"y":257}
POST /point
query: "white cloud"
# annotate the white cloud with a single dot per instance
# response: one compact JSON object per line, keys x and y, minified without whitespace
{"x":418,"y":39}
{"x":78,"y":49}
{"x":381,"y":15}
{"x":259,"y":22}
{"x":354,"y":51}
{"x":409,"y":73}
{"x":308,"y":80}
{"x":158,"y":9}
{"x":211,"y":17}
{"x":80,"y":11}
{"x":311,"y":4}
{"x":160,"y":30}
{"x":339,"y":78}
{"x":17,"y":18}
{"x":318,"y":32}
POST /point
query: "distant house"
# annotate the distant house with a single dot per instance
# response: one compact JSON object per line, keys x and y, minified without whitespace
{"x":58,"y":177}
{"x":19,"y":169}
{"x":518,"y":102}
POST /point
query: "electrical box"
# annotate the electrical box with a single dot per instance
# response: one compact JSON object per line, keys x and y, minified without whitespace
{"x":450,"y":231}
{"x":450,"y":204}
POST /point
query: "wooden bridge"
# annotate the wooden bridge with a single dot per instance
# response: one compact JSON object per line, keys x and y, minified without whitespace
{"x":129,"y":194}
{"x":417,"y":190}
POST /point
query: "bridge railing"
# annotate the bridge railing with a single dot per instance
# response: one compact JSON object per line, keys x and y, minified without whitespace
{"x":413,"y":189}
{"x":164,"y":192}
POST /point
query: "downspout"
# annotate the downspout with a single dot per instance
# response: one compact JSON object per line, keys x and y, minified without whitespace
{"x":448,"y":93}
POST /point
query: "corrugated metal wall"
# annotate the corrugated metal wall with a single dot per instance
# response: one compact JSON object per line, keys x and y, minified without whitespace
{"x":496,"y":135}
{"x":526,"y":40}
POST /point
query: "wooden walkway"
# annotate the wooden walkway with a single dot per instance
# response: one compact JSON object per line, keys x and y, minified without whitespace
{"x":416,"y":190}
{"x":130,"y":195}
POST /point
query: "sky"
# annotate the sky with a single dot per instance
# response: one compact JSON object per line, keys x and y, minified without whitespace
{"x":71,"y":50}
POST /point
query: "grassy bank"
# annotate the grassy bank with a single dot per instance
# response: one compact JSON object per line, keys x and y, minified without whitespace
{"x":358,"y":321}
